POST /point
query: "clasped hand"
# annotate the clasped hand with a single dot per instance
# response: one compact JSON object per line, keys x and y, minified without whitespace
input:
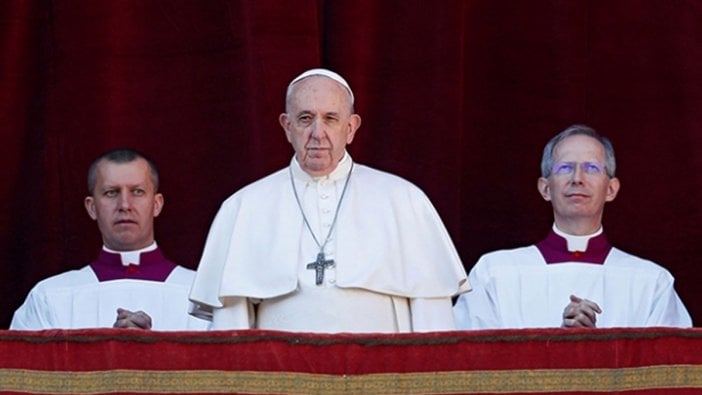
{"x":130,"y":319}
{"x":580,"y":313}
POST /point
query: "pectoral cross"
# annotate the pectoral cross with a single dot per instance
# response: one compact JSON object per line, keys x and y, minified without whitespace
{"x":319,"y":265}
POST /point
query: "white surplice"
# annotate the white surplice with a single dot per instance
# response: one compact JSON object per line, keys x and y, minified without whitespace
{"x":76,"y":300}
{"x":518,"y":289}
{"x":395,"y":265}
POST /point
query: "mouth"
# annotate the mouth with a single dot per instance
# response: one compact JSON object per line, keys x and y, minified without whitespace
{"x":317,"y":152}
{"x":577,"y":195}
{"x":125,"y":222}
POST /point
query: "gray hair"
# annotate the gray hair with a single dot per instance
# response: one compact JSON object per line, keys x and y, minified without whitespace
{"x":575,"y":130}
{"x":120,"y":155}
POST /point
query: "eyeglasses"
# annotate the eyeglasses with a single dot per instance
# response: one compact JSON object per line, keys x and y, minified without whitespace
{"x":568,"y":168}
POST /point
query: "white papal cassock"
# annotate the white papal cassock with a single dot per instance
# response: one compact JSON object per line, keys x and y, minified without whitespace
{"x":89,"y":297}
{"x":529,"y":287}
{"x":395,"y":267}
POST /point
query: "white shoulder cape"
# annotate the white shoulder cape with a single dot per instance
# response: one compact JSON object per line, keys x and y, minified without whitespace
{"x":390,"y":240}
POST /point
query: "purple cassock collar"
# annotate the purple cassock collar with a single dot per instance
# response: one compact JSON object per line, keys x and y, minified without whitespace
{"x":153,"y":266}
{"x":554,"y":249}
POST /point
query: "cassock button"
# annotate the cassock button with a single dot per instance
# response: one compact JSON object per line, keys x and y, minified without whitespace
{"x":577,"y":254}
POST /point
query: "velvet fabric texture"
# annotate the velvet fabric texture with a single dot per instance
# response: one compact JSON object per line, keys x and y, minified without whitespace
{"x":551,"y":361}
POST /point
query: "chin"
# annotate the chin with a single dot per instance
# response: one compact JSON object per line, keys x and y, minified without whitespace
{"x":316,"y":167}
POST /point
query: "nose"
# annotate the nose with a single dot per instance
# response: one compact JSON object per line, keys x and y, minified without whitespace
{"x":577,"y":175}
{"x":125,"y":201}
{"x":317,"y":130}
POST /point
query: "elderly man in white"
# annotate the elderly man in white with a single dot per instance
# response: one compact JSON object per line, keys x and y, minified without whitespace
{"x":326,"y":244}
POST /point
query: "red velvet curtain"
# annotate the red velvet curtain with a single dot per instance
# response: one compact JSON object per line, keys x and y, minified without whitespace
{"x":457,"y":96}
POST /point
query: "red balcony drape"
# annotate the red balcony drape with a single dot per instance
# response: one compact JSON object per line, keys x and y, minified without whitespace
{"x":457,"y":96}
{"x":554,"y":361}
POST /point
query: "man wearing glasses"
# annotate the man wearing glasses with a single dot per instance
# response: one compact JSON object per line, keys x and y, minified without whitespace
{"x":574,"y":277}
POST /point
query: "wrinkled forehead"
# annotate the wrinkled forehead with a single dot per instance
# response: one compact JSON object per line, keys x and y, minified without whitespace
{"x":579,"y":147}
{"x":319,"y":93}
{"x":320,"y":72}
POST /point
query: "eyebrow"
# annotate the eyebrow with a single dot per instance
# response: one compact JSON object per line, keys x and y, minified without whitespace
{"x":115,"y":186}
{"x":305,"y":112}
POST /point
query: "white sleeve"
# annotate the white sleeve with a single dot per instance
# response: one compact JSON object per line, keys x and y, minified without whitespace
{"x":34,"y":314}
{"x":476,"y":309}
{"x":668,"y":309}
{"x":236,"y":313}
{"x":431,"y":315}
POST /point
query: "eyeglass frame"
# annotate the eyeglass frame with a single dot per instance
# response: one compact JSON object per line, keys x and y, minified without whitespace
{"x":567,"y":168}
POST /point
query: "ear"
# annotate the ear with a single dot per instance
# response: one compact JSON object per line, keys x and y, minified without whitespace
{"x":354,"y":124}
{"x":612,"y":189}
{"x":544,"y":190}
{"x":90,"y":207}
{"x":158,"y":204}
{"x":285,"y":124}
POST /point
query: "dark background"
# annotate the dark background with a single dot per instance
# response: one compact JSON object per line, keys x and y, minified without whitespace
{"x":459,"y":97}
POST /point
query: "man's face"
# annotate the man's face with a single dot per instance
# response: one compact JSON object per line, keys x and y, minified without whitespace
{"x":580,"y":192}
{"x":124,"y":204}
{"x":319,"y":124}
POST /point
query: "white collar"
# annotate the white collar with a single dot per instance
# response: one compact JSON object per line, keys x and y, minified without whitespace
{"x":576,"y":243}
{"x":132,"y":257}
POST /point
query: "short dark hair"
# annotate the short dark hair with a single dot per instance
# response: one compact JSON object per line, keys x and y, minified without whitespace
{"x":120,"y":155}
{"x":573,"y":130}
